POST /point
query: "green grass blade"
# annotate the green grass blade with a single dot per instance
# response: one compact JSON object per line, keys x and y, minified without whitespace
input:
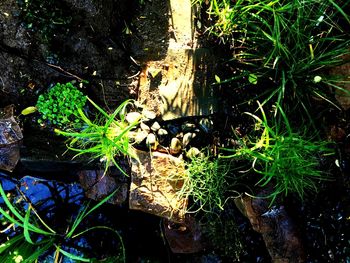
{"x":72,"y":256}
{"x":11,"y":242}
{"x":26,"y":227}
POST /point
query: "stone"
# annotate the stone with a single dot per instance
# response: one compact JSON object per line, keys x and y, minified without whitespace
{"x":137,"y":136}
{"x":149,"y":115}
{"x":98,"y":185}
{"x":155,"y":126}
{"x":151,"y":140}
{"x":162,"y":132}
{"x":145,"y":127}
{"x":155,"y":180}
{"x":187,"y":138}
{"x":133,"y":117}
{"x":173,"y":129}
{"x":206,"y":125}
{"x":280,"y":234}
{"x":187,"y":127}
{"x":10,"y":138}
{"x":175,"y":146}
{"x":184,"y":238}
{"x":192,"y":152}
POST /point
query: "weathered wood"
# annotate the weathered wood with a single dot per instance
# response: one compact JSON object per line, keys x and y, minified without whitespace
{"x":177,"y":85}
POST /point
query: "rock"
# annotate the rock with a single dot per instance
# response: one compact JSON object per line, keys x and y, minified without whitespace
{"x":184,"y":238}
{"x":173,"y":129}
{"x":187,"y":127}
{"x":206,"y":125}
{"x":162,"y":132}
{"x":155,"y":126}
{"x":155,"y":180}
{"x":187,"y":138}
{"x":133,"y":117}
{"x":10,"y":137}
{"x":151,"y":140}
{"x":149,"y":115}
{"x":192,"y":152}
{"x":145,"y":127}
{"x":140,"y":135}
{"x":279,"y":232}
{"x":97,"y":185}
{"x":175,"y":146}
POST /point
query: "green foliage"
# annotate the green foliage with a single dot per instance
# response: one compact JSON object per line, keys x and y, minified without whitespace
{"x":32,"y":237}
{"x":205,"y":183}
{"x":59,"y":106}
{"x":223,"y":234}
{"x":286,"y":160}
{"x":104,"y":138}
{"x":284,"y":45}
{"x":48,"y":17}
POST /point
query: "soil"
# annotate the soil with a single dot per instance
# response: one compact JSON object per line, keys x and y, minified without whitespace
{"x":106,"y":43}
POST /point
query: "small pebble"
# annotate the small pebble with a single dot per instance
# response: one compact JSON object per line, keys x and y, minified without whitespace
{"x":192,"y":152}
{"x":140,"y":136}
{"x":188,"y":127}
{"x":173,"y":129}
{"x":145,"y":127}
{"x":187,"y":138}
{"x":150,"y":115}
{"x":175,"y":146}
{"x":206,"y":125}
{"x":155,"y":126}
{"x":151,"y":140}
{"x":162,"y":132}
{"x":132,"y":117}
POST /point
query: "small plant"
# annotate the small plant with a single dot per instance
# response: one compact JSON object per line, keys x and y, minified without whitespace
{"x":205,"y":183}
{"x":59,"y":107}
{"x":104,"y":138}
{"x":31,"y":237}
{"x":284,"y":159}
{"x":285,"y":47}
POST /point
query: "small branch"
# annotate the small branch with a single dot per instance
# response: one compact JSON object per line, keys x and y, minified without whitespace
{"x":64,"y":71}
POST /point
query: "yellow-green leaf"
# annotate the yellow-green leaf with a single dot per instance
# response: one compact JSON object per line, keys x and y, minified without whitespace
{"x":29,"y":110}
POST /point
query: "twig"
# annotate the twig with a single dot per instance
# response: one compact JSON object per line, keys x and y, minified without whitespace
{"x":66,"y":72}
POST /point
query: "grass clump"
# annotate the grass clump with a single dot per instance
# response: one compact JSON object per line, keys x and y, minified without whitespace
{"x":60,"y":106}
{"x":285,"y":47}
{"x":205,"y":183}
{"x":105,"y":137}
{"x":285,"y":160}
{"x":30,"y":237}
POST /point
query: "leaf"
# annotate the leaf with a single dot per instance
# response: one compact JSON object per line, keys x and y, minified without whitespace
{"x":29,"y":110}
{"x":217,"y":78}
{"x":73,"y":257}
{"x":26,"y":226}
{"x":253,"y":79}
{"x":9,"y":243}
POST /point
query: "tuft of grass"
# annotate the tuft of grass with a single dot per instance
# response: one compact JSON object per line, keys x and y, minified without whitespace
{"x":286,"y":160}
{"x":205,"y":183}
{"x":285,"y":45}
{"x":104,"y":138}
{"x":31,"y":237}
